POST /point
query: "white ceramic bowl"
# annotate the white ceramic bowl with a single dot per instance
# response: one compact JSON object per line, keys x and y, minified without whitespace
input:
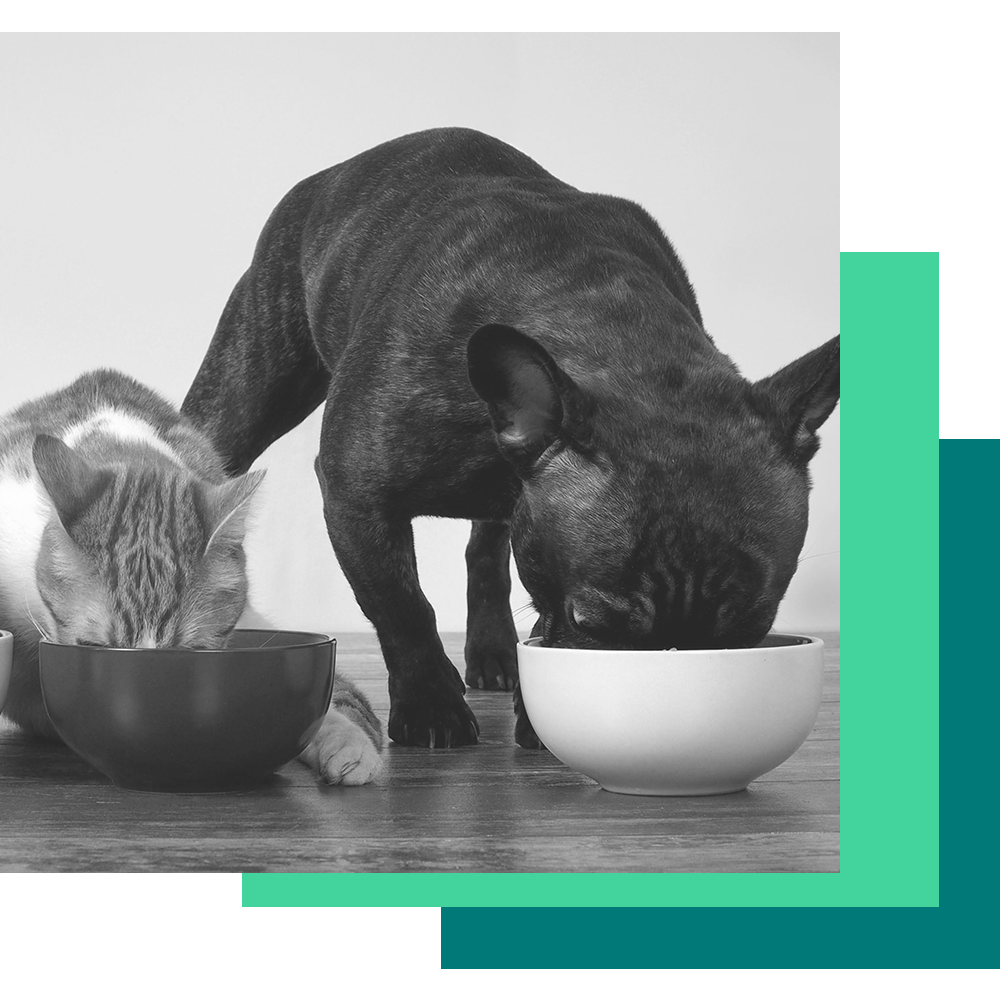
{"x":6,"y":658}
{"x":679,"y":722}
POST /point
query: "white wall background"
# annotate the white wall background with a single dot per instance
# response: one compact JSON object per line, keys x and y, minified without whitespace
{"x":137,"y":171}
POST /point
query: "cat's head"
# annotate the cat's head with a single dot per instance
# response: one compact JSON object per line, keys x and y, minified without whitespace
{"x":665,"y":517}
{"x":144,"y":556}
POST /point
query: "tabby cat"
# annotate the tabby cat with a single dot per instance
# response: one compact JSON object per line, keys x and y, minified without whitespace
{"x":118,"y":527}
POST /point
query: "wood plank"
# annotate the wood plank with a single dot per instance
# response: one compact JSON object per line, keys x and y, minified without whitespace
{"x":767,"y":852}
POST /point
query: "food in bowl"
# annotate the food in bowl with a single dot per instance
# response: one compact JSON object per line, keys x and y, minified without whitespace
{"x":190,"y":719}
{"x":673,"y":722}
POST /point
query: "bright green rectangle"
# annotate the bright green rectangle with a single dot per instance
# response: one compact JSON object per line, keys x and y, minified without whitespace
{"x":889,"y":512}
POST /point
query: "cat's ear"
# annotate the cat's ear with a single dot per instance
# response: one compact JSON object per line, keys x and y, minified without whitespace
{"x":71,"y":482}
{"x":227,"y":509}
{"x":532,"y":401}
{"x":803,"y":394}
{"x":66,"y":578}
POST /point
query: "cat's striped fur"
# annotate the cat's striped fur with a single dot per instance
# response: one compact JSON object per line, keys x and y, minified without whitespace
{"x":119,"y":527}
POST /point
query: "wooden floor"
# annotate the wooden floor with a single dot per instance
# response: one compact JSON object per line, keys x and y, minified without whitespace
{"x":490,"y":808}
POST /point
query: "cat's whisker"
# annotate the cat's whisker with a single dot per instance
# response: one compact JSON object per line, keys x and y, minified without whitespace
{"x":38,"y":628}
{"x":200,"y":622}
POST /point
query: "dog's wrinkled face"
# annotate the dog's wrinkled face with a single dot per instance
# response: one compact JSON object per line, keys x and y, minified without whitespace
{"x":684,"y":532}
{"x":618,"y":559}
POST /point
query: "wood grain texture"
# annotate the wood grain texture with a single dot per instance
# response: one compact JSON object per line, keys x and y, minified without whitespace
{"x":494,"y":807}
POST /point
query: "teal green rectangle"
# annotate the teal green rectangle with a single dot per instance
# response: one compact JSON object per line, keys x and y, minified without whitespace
{"x":889,"y":801}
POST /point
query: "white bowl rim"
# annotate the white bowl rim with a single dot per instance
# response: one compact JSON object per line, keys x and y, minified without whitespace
{"x":742,"y":651}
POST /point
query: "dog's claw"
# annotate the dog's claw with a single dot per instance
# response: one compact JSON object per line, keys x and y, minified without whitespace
{"x":490,"y":670}
{"x":458,"y":727}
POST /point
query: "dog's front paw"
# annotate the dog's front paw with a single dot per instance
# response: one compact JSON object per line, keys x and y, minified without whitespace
{"x":435,"y":720}
{"x":342,"y":753}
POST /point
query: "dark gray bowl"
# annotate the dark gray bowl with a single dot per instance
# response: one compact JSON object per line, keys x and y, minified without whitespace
{"x":176,"y":720}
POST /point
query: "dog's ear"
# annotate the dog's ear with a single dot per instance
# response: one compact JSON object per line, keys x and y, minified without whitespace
{"x":802,"y":395}
{"x":533,"y":403}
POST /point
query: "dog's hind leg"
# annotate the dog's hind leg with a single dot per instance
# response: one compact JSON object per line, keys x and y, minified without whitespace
{"x":262,"y":375}
{"x":491,"y":640}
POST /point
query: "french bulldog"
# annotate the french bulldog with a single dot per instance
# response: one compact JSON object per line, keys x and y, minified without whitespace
{"x":493,"y":344}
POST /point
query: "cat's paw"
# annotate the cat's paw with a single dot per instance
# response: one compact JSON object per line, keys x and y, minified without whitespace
{"x":342,"y":753}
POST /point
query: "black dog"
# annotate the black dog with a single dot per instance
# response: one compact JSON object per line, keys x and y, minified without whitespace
{"x":654,"y":497}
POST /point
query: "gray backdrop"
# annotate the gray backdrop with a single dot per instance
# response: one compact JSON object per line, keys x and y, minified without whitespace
{"x":138,"y":171}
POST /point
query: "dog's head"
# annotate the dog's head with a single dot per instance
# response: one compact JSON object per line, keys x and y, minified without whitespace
{"x":659,"y":509}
